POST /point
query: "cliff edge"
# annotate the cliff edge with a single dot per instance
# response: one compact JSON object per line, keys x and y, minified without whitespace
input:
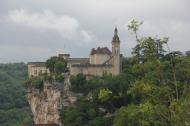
{"x":45,"y":104}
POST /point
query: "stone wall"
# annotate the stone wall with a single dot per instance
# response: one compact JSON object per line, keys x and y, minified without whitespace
{"x":36,"y":70}
{"x":95,"y":70}
{"x":99,"y":58}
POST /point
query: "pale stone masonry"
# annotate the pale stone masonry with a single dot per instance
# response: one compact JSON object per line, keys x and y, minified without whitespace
{"x":37,"y":68}
{"x":101,"y":61}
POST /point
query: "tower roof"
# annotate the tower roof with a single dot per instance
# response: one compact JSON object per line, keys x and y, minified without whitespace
{"x":115,"y":37}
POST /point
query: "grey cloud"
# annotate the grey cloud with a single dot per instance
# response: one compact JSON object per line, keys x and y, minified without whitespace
{"x":67,"y":26}
{"x":97,"y":18}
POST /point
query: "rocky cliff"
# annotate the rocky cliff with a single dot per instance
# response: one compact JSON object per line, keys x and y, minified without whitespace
{"x":45,"y":105}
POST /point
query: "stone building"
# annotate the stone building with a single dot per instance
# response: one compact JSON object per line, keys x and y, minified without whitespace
{"x":37,"y":68}
{"x":101,"y":61}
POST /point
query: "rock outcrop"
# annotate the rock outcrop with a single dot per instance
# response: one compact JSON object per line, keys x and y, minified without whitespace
{"x":45,"y":105}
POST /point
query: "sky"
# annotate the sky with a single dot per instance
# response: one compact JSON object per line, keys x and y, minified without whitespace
{"x":34,"y":30}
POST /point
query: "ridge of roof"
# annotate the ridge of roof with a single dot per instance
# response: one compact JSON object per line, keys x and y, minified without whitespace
{"x":99,"y":50}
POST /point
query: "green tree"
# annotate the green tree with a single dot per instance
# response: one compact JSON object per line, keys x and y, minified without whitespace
{"x":104,"y":95}
{"x":60,"y":66}
{"x":187,"y":53}
{"x":14,"y":108}
{"x":133,"y":26}
{"x":56,"y":64}
{"x":78,"y":83}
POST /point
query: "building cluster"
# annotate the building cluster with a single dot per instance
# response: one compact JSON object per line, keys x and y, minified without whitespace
{"x":101,"y":61}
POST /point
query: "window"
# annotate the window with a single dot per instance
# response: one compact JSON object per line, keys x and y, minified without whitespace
{"x":35,"y":71}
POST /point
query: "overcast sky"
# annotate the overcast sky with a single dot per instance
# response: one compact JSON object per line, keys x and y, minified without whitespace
{"x":33,"y":30}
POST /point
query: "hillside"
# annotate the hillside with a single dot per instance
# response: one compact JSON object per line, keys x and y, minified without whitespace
{"x":14,"y":108}
{"x":152,"y":91}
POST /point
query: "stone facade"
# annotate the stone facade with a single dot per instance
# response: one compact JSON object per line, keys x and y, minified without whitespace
{"x":37,"y":68}
{"x":101,"y":61}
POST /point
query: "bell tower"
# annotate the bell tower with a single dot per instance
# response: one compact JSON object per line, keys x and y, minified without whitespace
{"x":116,"y":53}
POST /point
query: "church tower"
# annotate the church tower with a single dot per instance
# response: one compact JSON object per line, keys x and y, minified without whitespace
{"x":116,"y":53}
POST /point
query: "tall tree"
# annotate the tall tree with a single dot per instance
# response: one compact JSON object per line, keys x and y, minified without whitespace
{"x":133,"y":26}
{"x":56,"y":64}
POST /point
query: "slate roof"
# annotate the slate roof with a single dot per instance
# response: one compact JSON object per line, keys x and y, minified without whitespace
{"x":99,"y":50}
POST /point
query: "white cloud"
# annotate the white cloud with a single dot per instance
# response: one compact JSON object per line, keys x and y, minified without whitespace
{"x":67,"y":26}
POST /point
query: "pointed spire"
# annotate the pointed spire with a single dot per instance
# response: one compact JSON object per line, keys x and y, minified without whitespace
{"x":115,"y":37}
{"x":115,"y":31}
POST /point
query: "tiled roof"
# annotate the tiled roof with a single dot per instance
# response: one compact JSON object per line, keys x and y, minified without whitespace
{"x":99,"y":50}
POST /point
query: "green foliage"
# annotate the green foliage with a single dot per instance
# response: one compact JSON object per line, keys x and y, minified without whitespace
{"x":158,"y":90}
{"x":60,"y":66}
{"x":59,"y":78}
{"x":78,"y":83}
{"x":36,"y":82}
{"x":84,"y":113}
{"x":134,"y":25}
{"x":56,"y":64}
{"x":153,"y":89}
{"x":140,"y":91}
{"x":14,"y":109}
{"x":104,"y":95}
{"x":144,"y":114}
{"x":187,"y":53}
{"x":152,"y":48}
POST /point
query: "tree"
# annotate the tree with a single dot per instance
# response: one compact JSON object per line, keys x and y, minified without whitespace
{"x":14,"y":108}
{"x":187,"y":53}
{"x":138,"y":115}
{"x":78,"y":83}
{"x":134,"y":27}
{"x":104,"y":95}
{"x":152,"y":48}
{"x":141,"y":91}
{"x":56,"y":64}
{"x":60,"y":66}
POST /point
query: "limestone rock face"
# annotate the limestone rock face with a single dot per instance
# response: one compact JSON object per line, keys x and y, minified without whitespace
{"x":45,"y":105}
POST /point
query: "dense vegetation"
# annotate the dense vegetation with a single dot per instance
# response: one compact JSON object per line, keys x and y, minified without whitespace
{"x":14,"y":109}
{"x":153,"y":90}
